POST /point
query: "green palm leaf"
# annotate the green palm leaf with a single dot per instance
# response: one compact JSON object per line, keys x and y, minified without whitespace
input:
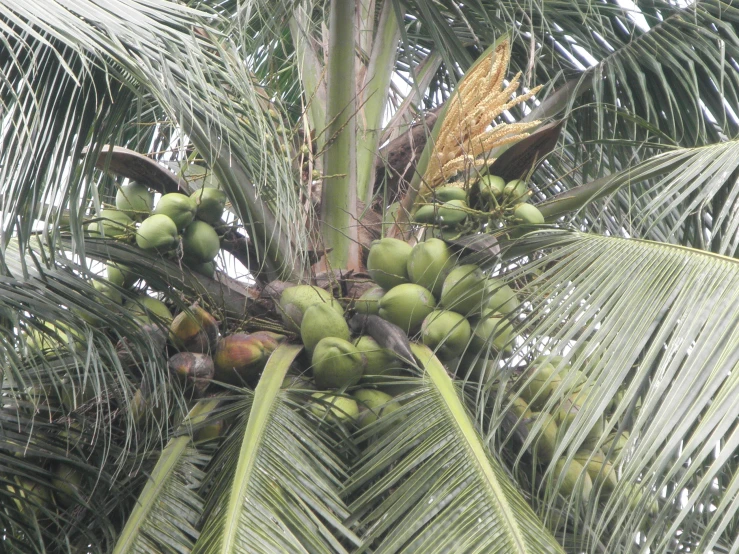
{"x":448,"y":493}
{"x":665,"y":377}
{"x":275,"y":483}
{"x":169,"y":507}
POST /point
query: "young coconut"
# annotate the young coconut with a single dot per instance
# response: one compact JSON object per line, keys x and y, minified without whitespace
{"x":387,"y":262}
{"x":116,"y":224}
{"x":321,"y":321}
{"x":145,"y":306}
{"x":491,"y":186}
{"x":452,"y":213}
{"x":240,"y":357}
{"x":200,"y":243}
{"x":210,"y":203}
{"x":463,"y":290}
{"x":573,"y":478}
{"x":373,"y":404}
{"x":294,"y":301}
{"x":157,"y":233}
{"x":334,"y":408}
{"x":545,"y":443}
{"x":369,"y":302}
{"x":428,"y":264}
{"x":193,"y":369}
{"x":179,"y":207}
{"x":600,"y":470}
{"x":516,"y":189}
{"x":445,"y":194}
{"x":491,"y":333}
{"x":406,"y":306}
{"x":544,"y":380}
{"x":447,"y":333}
{"x":501,"y":297}
{"x":379,"y":362}
{"x":120,"y":275}
{"x":194,"y":330}
{"x":135,"y":200}
{"x":528,"y":214}
{"x":337,"y":364}
{"x":67,"y":483}
{"x":208,"y":269}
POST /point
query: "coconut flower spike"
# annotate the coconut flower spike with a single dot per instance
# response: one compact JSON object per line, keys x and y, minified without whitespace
{"x":465,"y":135}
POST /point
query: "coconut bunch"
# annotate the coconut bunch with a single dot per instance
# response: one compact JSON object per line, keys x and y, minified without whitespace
{"x":457,"y":310}
{"x":342,"y":363}
{"x":488,"y":204}
{"x":592,"y":465}
{"x":201,"y":355}
{"x":177,"y":220}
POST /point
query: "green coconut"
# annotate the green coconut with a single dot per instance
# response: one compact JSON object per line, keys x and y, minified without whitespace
{"x":428,"y":264}
{"x":379,"y":362}
{"x":321,"y":321}
{"x":445,"y":332}
{"x":67,"y":483}
{"x":120,"y":275}
{"x":336,"y":364}
{"x":520,"y":408}
{"x":115,"y":224}
{"x":426,"y":214}
{"x":544,"y":380}
{"x":516,"y":189}
{"x":573,"y":478}
{"x":491,"y":186}
{"x":373,"y":404}
{"x":528,"y":214}
{"x":200,"y":243}
{"x":406,"y":306}
{"x":369,"y":302}
{"x":210,"y":204}
{"x":145,"y":306}
{"x":109,"y":291}
{"x":294,"y":301}
{"x":135,"y":200}
{"x":545,"y":442}
{"x":179,"y":207}
{"x":491,"y":332}
{"x":600,"y":470}
{"x":335,"y":408}
{"x":387,"y":262}
{"x":463,"y":290}
{"x":208,"y":268}
{"x":501,"y":297}
{"x":157,"y":233}
{"x":445,"y":194}
{"x":615,"y":443}
{"x":452,"y":213}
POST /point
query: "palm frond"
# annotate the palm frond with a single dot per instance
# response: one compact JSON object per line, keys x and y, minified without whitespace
{"x":275,"y":483}
{"x":197,"y":80}
{"x":169,"y":507}
{"x":664,"y":379}
{"x":447,"y":493}
{"x":686,"y":196}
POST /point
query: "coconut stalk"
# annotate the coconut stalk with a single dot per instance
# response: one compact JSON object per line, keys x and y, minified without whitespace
{"x":374,"y":96}
{"x":339,"y":192}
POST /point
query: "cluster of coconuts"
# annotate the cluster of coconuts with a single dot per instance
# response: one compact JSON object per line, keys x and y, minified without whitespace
{"x":456,"y":310}
{"x":487,"y":204}
{"x":590,"y":468}
{"x":176,"y":220}
{"x":340,"y":362}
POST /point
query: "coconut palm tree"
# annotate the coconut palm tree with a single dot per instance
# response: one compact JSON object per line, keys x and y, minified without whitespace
{"x":328,"y":124}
